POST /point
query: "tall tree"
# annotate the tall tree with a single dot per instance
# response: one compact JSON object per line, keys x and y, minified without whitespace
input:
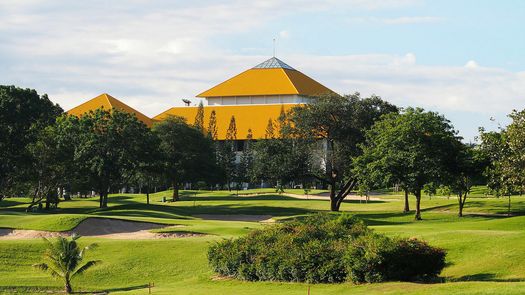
{"x":466,"y":171}
{"x":53,"y":164}
{"x":23,"y":113}
{"x":226,"y":154}
{"x":109,"y":150}
{"x":245,"y":165}
{"x":213,"y":132}
{"x":270,"y":130}
{"x":338,"y":124}
{"x":199,"y":118}
{"x":231,"y":133}
{"x":187,"y":155}
{"x":413,"y":148}
{"x":506,"y":151}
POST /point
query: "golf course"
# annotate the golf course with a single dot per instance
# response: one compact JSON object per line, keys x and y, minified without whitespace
{"x":161,"y":247}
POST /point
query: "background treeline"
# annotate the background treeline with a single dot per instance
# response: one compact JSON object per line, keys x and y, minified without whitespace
{"x":343,"y":143}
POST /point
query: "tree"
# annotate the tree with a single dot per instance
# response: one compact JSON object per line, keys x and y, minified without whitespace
{"x":506,"y":151}
{"x":199,"y":118}
{"x":149,"y":170}
{"x":335,"y":125}
{"x":64,"y":258}
{"x":245,"y":166}
{"x":281,"y":160}
{"x":53,"y":164}
{"x":413,"y":148}
{"x":270,"y":132}
{"x":23,"y":113}
{"x":186,"y":154}
{"x":466,"y":172}
{"x":212,"y":126}
{"x":110,"y":146}
{"x":231,"y":133}
{"x":226,"y":154}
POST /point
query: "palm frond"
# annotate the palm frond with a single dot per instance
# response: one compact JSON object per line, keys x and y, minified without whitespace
{"x":41,"y":266}
{"x":88,"y":247}
{"x":85,"y":267}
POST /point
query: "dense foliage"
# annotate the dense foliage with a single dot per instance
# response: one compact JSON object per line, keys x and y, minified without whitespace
{"x":23,"y":114}
{"x":324,"y":248}
{"x":412,"y":149}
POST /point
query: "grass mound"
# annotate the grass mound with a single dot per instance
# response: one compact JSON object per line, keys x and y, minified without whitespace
{"x":324,"y":248}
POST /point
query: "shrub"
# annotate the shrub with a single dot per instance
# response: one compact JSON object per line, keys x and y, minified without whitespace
{"x":376,"y":258}
{"x":323,"y":248}
{"x":303,"y":250}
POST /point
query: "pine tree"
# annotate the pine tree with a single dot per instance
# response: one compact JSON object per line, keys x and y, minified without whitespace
{"x":231,"y":133}
{"x":212,"y":126}
{"x":199,"y":118}
{"x":282,"y":123}
{"x":270,"y":133}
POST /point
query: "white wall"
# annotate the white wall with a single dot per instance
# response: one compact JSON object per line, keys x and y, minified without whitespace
{"x":263,"y":99}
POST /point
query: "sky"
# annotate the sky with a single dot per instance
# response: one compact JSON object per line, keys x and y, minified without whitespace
{"x":464,"y":58}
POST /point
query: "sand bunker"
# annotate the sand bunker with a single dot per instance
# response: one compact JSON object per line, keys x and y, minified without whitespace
{"x":236,"y":217}
{"x":102,"y":228}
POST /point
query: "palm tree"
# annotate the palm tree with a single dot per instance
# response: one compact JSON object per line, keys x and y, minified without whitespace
{"x":64,"y":257}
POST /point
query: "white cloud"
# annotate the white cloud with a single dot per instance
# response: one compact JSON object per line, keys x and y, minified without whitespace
{"x":471,"y":64}
{"x":153,"y":55}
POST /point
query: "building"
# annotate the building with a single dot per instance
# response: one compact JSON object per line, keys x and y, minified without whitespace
{"x":252,"y":97}
{"x":108,"y":102}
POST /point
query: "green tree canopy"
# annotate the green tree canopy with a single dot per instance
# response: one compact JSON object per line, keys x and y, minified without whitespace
{"x":412,"y":148}
{"x":110,"y":146}
{"x":186,"y":154}
{"x":336,"y":126}
{"x":23,"y":113}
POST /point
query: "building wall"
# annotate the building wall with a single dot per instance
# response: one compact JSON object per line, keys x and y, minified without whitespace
{"x":264,"y":99}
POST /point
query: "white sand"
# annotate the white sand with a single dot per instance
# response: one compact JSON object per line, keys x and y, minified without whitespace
{"x":101,"y":228}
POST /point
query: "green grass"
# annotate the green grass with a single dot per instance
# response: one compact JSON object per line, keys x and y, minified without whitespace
{"x":485,"y":249}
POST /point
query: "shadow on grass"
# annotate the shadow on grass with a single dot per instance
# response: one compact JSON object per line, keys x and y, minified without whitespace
{"x":185,"y":212}
{"x":484,"y":277}
{"x":386,"y":218}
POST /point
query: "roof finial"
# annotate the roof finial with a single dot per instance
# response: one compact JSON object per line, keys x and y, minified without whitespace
{"x":273,"y":47}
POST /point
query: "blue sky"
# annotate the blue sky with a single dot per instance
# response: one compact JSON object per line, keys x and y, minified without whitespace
{"x":464,"y":59}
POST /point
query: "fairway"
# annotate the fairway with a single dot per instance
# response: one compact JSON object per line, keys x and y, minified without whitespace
{"x":485,"y":249}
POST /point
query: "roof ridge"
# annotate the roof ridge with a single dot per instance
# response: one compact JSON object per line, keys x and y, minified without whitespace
{"x":291,"y":82}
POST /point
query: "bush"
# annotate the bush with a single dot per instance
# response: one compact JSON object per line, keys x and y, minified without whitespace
{"x":376,"y":258}
{"x":323,"y":248}
{"x":305,"y":250}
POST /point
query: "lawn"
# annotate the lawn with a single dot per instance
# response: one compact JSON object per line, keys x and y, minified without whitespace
{"x":485,"y":248}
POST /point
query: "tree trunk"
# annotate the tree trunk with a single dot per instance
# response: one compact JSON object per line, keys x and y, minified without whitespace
{"x":462,"y":201}
{"x":508,"y":212}
{"x":147,"y":194}
{"x":418,"y":205}
{"x":175,"y":191}
{"x":68,"y":287}
{"x":103,"y":200}
{"x":460,"y":214}
{"x":407,"y":206}
{"x":334,"y":206}
{"x":48,"y":200}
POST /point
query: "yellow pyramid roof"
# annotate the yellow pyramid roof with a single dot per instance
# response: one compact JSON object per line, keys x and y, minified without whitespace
{"x":108,"y":102}
{"x":272,"y":77}
{"x":254,"y":117}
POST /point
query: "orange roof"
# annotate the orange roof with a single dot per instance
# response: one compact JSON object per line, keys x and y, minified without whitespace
{"x":108,"y":102}
{"x":254,"y":117}
{"x":272,"y":77}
